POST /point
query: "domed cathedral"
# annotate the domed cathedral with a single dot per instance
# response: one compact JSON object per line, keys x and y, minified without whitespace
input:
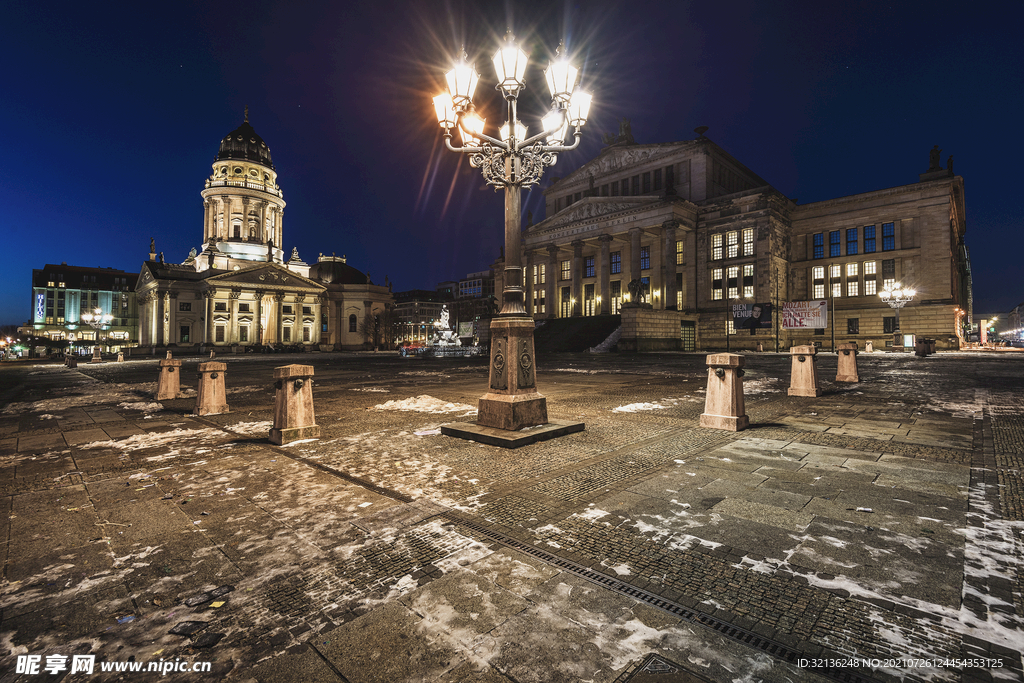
{"x":239,"y":291}
{"x":243,"y":206}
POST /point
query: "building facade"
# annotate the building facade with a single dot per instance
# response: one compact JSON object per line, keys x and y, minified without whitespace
{"x":239,"y":290}
{"x":61,"y":294}
{"x":700,"y":233}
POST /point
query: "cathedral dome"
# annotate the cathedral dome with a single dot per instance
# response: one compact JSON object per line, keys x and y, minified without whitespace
{"x":244,"y":143}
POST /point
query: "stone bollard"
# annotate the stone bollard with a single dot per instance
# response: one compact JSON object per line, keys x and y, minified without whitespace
{"x":120,"y":356}
{"x":72,"y":361}
{"x":869,"y":347}
{"x":210,"y":397}
{"x":760,"y":347}
{"x":920,"y":348}
{"x":931,"y":346}
{"x":169,"y":385}
{"x":293,"y":407}
{"x":847,"y":371}
{"x":803,"y":379}
{"x":723,"y":406}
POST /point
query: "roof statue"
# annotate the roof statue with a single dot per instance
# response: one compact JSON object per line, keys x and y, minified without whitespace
{"x":625,"y":136}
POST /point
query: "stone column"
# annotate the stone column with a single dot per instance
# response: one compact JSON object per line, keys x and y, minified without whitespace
{"x":368,"y":324}
{"x":605,"y":270}
{"x":691,"y":274}
{"x":634,"y":253}
{"x":553,"y":272}
{"x":233,"y":336}
{"x":259,"y":317}
{"x":207,"y":211}
{"x":669,"y":263}
{"x":161,"y":313}
{"x":577,"y":278}
{"x":208,"y":327}
{"x":279,"y":298}
{"x":224,"y":229}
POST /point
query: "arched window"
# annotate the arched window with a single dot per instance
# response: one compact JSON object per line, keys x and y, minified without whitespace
{"x":352,"y":323}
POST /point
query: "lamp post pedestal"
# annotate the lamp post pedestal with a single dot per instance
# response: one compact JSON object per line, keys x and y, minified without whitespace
{"x":512,"y":401}
{"x":96,"y":358}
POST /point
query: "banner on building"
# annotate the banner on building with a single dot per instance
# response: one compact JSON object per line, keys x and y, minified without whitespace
{"x":751,"y":317}
{"x":802,"y":315}
{"x":466,"y":329}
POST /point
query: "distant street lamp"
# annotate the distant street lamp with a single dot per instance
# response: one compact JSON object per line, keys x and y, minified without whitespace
{"x":897,"y":297}
{"x":512,"y":162}
{"x":97,"y":320}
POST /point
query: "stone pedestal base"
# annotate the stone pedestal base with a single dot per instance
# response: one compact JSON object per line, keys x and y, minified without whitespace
{"x":512,"y":412}
{"x":506,"y":439}
{"x":289,"y":434}
{"x":847,"y":366}
{"x":732,"y":424}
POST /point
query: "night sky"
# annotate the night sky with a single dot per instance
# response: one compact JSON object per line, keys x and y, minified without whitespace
{"x":112,"y":113}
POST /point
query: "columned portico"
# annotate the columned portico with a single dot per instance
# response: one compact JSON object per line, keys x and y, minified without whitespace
{"x":668,"y":269}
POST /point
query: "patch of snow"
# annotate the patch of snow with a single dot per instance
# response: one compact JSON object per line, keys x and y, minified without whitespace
{"x":426,"y":404}
{"x":637,"y":407}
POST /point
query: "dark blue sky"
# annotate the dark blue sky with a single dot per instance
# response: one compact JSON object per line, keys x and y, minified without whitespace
{"x":112,"y":114}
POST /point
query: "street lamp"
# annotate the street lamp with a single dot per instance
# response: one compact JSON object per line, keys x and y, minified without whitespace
{"x":97,"y":320}
{"x":897,"y":297}
{"x":510,"y":162}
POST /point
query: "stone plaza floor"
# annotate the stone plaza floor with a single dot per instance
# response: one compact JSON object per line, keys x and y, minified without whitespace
{"x":873,"y":532}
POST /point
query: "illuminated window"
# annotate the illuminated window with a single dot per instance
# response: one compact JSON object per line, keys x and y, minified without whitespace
{"x":818,"y":282}
{"x":732,"y":242}
{"x":679,"y":252}
{"x":888,"y":273}
{"x":616,"y":289}
{"x":716,"y":247}
{"x":243,"y":333}
{"x":540,"y":274}
{"x":851,"y":288}
{"x":716,"y":284}
{"x":748,"y":280}
{"x":748,"y":242}
{"x":835,"y":271}
{"x":566,"y":270}
{"x":589,"y":300}
{"x":732,"y":282}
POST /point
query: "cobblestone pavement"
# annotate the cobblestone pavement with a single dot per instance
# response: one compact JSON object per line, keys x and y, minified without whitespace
{"x":881,"y":521}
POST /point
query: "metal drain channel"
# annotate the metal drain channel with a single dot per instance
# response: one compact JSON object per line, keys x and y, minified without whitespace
{"x":741,"y":635}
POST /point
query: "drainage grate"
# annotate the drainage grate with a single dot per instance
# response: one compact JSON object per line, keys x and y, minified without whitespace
{"x":741,"y":635}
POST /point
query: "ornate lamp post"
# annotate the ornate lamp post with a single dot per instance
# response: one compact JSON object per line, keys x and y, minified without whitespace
{"x":97,"y":320}
{"x":512,"y":162}
{"x":897,"y":297}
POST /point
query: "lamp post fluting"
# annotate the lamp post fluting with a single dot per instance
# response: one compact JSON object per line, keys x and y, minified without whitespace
{"x":97,"y":320}
{"x":511,"y":162}
{"x":897,"y":297}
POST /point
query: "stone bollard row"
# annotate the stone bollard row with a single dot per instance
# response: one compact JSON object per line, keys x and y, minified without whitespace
{"x":723,"y":405}
{"x":804,"y":375}
{"x":294,"y":417}
{"x":293,"y":405}
{"x":847,"y":366}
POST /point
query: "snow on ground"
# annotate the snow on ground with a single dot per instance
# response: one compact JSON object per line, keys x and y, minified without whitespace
{"x":426,"y":404}
{"x":638,"y":407}
{"x":138,"y":442}
{"x":88,"y":393}
{"x":142,"y":406}
{"x":764,"y":385}
{"x":252,"y":428}
{"x":375,"y":390}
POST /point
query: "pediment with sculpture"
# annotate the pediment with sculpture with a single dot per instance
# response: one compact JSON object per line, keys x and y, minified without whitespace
{"x":617,"y":158}
{"x":265,"y":276}
{"x":594,"y":207}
